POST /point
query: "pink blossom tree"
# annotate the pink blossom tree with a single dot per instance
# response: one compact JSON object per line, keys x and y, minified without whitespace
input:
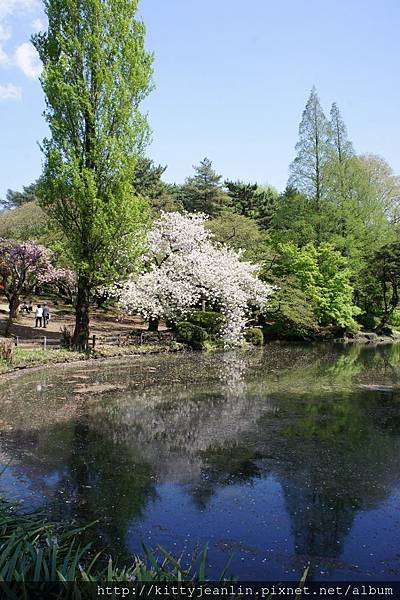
{"x":23,"y":265}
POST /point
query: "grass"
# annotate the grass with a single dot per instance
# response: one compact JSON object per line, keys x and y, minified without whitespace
{"x":32,"y":549}
{"x":34,"y":357}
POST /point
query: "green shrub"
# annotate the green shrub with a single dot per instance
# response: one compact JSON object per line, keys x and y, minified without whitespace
{"x":192,"y":334}
{"x":208,"y":320}
{"x":254,"y":336}
{"x":395,"y":319}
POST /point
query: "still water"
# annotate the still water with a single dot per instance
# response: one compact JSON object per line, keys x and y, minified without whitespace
{"x":276,"y":458}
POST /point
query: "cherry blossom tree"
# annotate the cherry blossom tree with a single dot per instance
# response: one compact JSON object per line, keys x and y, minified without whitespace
{"x":185,"y":267}
{"x":23,"y":265}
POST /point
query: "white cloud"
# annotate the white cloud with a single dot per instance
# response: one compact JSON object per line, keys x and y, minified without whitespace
{"x":27,"y":59}
{"x":4,"y":36}
{"x":3,"y":57}
{"x":10,"y":7}
{"x":4,"y":33}
{"x":37,"y":25}
{"x":10,"y":92}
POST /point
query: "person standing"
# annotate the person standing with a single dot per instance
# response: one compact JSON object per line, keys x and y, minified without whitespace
{"x":38,"y":316}
{"x":46,"y":315}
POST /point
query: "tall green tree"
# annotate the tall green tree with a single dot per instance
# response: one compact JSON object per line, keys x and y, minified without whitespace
{"x":312,"y":150}
{"x":385,"y":183}
{"x":96,"y":73}
{"x":204,"y":192}
{"x":340,"y":143}
{"x":308,"y":169}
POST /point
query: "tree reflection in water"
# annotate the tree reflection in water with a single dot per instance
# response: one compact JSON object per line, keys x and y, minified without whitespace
{"x":322,"y":421}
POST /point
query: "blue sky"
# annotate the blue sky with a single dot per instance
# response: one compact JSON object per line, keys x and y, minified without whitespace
{"x":232,"y":79}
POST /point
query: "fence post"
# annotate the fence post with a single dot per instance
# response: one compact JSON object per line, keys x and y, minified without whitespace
{"x":93,"y":341}
{"x":44,"y":342}
{"x":16,"y":341}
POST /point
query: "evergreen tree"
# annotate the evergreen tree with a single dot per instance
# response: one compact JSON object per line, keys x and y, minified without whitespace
{"x":253,"y":201}
{"x":342,"y":147}
{"x":15,"y":199}
{"x":147,"y":178}
{"x":204,"y":192}
{"x":243,"y":197}
{"x":96,"y":73}
{"x":308,"y":170}
{"x":147,"y":182}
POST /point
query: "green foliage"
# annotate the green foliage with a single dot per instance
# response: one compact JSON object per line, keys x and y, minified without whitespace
{"x":254,"y":335}
{"x":147,"y":183}
{"x":290,"y":313}
{"x":385,"y":267}
{"x":208,"y":320}
{"x":204,"y":192}
{"x":24,"y":223}
{"x":307,"y":171}
{"x":33,"y":549}
{"x":16,"y":199}
{"x":192,"y":334}
{"x":324,"y":277}
{"x":241,"y":233}
{"x":96,"y":72}
{"x":253,"y":201}
{"x":294,"y":219}
{"x":394,"y":319}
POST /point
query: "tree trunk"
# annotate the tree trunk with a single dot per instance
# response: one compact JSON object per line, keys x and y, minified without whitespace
{"x":12,"y":312}
{"x":153,"y":324}
{"x":80,"y":338}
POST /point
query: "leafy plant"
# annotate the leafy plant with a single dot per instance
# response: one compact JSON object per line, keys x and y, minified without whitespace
{"x":193,"y":335}
{"x":209,"y":320}
{"x":35,"y":550}
{"x":254,"y":335}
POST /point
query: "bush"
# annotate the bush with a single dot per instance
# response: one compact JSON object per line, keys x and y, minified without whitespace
{"x":208,"y":320}
{"x":191,"y":334}
{"x":290,"y":314}
{"x":254,"y":336}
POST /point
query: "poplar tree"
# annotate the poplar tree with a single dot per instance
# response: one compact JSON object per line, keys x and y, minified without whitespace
{"x":96,"y":72}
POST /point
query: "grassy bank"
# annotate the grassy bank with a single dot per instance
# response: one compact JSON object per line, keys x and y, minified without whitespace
{"x":26,"y":358}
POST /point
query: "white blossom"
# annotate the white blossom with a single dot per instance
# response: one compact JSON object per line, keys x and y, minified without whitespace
{"x":186,"y":266}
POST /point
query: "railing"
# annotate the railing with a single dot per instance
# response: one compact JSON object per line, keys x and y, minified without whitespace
{"x":120,"y":339}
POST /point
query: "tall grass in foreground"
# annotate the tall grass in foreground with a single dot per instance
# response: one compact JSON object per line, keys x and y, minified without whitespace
{"x":36,"y":550}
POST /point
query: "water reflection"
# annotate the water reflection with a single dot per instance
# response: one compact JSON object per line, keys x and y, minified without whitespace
{"x":281,"y":457}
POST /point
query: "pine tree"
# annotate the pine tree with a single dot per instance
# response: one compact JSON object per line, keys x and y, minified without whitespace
{"x":204,"y":191}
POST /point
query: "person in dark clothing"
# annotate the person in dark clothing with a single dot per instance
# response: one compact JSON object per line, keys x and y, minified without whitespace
{"x":46,"y":315}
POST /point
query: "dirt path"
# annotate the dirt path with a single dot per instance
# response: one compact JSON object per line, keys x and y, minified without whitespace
{"x":61,"y":316}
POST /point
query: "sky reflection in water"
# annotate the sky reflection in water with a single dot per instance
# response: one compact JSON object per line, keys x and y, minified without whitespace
{"x":276,"y":457}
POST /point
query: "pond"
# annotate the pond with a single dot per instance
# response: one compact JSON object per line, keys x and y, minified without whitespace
{"x":276,"y":457}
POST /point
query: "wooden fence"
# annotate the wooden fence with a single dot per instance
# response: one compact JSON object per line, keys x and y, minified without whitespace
{"x":121,"y":339}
